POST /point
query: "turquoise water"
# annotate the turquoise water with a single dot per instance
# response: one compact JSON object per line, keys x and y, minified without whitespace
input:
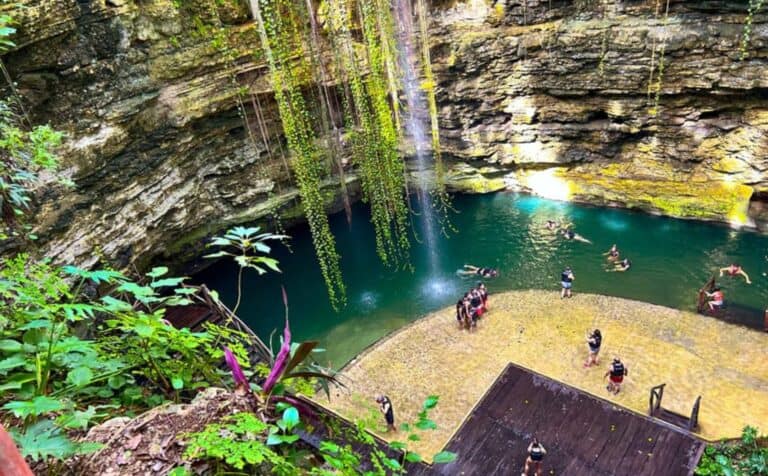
{"x":671,"y":260}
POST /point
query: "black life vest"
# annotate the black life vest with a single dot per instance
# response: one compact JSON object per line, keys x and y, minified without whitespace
{"x":537,"y":453}
{"x":566,"y":277}
{"x":598,"y":340}
{"x":617,"y":369}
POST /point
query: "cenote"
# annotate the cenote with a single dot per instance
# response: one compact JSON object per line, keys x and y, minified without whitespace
{"x":671,"y":260}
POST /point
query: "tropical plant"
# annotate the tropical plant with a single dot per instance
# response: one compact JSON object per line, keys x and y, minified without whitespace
{"x":25,"y":151}
{"x":747,"y":456}
{"x":65,"y":358}
{"x":243,"y":441}
{"x":243,"y":245}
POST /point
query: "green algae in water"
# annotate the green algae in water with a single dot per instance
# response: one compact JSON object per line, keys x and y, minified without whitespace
{"x":671,"y":260}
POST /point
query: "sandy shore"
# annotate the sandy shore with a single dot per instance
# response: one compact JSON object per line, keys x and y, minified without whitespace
{"x":692,"y":354}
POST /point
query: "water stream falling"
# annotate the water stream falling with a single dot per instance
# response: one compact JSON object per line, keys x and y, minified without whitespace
{"x":415,"y":120}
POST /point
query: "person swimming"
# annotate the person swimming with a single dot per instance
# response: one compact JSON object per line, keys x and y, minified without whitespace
{"x":551,"y":225}
{"x":735,"y":269}
{"x":622,"y":265}
{"x":470,"y":270}
{"x":569,"y":234}
{"x":612,"y":254}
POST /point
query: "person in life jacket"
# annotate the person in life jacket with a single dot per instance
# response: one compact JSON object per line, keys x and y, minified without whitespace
{"x":385,"y":405}
{"x":616,"y":372}
{"x":735,"y":269}
{"x":716,"y":299}
{"x":594,"y":340}
{"x":566,"y":281}
{"x":536,"y":454}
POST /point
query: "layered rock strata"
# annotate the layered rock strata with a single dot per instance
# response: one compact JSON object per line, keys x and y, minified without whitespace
{"x":556,"y":98}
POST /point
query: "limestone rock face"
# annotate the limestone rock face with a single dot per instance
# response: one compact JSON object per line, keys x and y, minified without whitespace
{"x":562,"y":99}
{"x":610,"y":102}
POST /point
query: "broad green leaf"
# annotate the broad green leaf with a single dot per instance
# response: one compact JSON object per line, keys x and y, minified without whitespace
{"x":43,"y":440}
{"x":157,"y":272}
{"x":37,"y":324}
{"x":80,"y":377}
{"x":16,"y":360}
{"x":116,"y":381}
{"x":8,"y":345}
{"x":177,"y":383}
{"x":431,"y":402}
{"x":77,"y":419}
{"x":144,"y":330}
{"x":444,"y":457}
{"x":37,"y":406}
{"x":160,"y":283}
{"x":413,"y":457}
{"x":115,"y":305}
{"x":397,"y":445}
{"x":426,"y":424}
{"x":291,"y":417}
{"x":274,"y":439}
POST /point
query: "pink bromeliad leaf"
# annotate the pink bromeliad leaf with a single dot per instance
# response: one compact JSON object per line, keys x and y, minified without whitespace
{"x":281,"y":361}
{"x":234,"y":366}
{"x":283,"y":356}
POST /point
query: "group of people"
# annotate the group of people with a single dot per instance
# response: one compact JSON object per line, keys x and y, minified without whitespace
{"x":716,"y":296}
{"x":474,"y":304}
{"x":471,"y":307}
{"x":566,"y":231}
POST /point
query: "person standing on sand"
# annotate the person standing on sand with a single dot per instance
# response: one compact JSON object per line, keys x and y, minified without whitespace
{"x":616,"y":373}
{"x":385,"y":405}
{"x":594,"y":340}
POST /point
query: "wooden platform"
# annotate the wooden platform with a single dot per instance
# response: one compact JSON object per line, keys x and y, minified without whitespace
{"x":583,"y":435}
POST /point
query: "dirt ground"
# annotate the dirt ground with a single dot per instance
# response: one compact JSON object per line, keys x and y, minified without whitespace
{"x":694,"y":355}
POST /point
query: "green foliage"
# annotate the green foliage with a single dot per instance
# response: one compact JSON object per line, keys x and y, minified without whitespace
{"x":24,"y":153}
{"x":746,"y":457}
{"x":244,"y":245}
{"x":52,"y":371}
{"x":242,"y":442}
{"x":754,"y":7}
{"x":44,"y":440}
{"x":281,"y":42}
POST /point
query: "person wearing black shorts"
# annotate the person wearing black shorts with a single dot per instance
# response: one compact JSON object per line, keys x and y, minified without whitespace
{"x":536,"y":454}
{"x":385,"y":405}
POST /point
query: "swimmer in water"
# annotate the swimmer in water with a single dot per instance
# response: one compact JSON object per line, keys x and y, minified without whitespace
{"x":622,"y":265}
{"x":612,"y":254}
{"x":569,"y":234}
{"x":735,"y":269}
{"x":470,"y":270}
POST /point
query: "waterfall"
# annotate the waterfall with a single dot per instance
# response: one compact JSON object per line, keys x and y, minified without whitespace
{"x":416,"y":116}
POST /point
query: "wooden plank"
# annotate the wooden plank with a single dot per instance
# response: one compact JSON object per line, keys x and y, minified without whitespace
{"x":584,"y":435}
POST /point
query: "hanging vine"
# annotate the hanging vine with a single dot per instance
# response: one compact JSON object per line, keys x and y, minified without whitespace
{"x":375,"y":137}
{"x":754,"y":7}
{"x":287,"y":69}
{"x":654,"y":87}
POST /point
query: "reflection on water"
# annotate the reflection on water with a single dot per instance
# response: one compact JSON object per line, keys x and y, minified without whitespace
{"x":671,"y":260}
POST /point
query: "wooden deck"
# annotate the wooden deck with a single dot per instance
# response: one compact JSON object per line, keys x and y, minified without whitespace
{"x":583,"y":435}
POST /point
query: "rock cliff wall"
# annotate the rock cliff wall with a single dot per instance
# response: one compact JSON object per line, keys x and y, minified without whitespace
{"x":614,"y":103}
{"x":550,"y":97}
